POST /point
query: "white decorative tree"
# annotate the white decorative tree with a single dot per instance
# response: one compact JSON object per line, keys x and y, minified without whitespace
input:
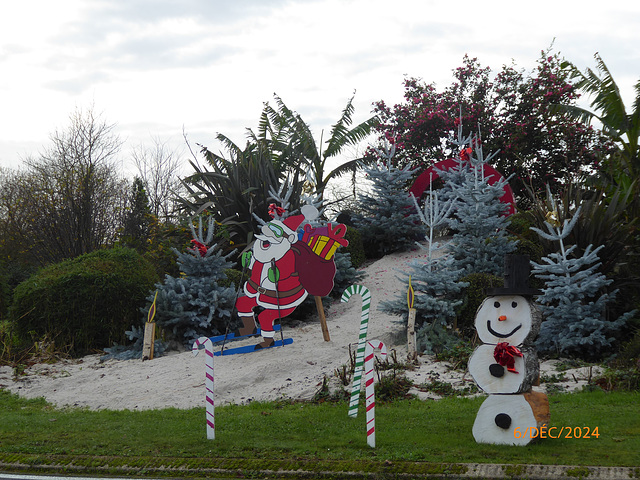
{"x":435,"y":282}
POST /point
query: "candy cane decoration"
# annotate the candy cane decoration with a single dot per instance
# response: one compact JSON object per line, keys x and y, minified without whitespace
{"x":369,"y":390}
{"x":365,"y":294}
{"x":208,"y":382}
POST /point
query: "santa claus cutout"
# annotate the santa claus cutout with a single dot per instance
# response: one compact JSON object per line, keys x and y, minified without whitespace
{"x":284,"y":271}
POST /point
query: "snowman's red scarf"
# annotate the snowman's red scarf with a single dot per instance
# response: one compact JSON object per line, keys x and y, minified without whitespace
{"x":504,"y":353}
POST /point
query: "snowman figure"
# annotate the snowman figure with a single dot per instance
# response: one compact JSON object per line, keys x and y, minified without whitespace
{"x":506,"y":365}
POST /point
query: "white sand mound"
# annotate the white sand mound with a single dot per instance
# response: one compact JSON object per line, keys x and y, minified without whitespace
{"x":294,"y":371}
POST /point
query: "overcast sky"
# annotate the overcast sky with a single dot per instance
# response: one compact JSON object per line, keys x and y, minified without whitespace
{"x":156,"y":67}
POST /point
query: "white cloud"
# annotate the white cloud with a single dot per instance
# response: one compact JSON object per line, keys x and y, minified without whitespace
{"x":155,"y":66}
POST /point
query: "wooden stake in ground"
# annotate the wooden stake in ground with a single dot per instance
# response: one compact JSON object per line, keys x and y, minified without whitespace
{"x":411,"y":325}
{"x":149,"y":332}
{"x":323,"y":319}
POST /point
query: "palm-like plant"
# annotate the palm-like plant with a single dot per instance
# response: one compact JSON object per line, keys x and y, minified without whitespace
{"x":608,"y":108}
{"x":233,"y":189}
{"x":602,"y":221}
{"x":302,"y":146}
{"x":281,"y":150}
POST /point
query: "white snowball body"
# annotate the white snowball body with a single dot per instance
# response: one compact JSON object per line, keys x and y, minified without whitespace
{"x":496,"y":379}
{"x":511,"y":419}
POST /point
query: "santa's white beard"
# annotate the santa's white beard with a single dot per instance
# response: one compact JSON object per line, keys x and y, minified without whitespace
{"x":264,"y":250}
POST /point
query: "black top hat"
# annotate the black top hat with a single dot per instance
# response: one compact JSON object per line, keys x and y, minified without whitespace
{"x":516,"y":277}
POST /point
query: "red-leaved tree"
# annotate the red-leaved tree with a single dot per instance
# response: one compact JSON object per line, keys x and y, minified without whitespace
{"x":511,"y":113}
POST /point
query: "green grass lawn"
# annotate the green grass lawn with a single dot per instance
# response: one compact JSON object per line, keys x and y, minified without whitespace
{"x":305,"y":435}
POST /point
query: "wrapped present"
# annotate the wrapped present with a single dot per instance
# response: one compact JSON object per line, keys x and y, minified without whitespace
{"x":324,"y":241}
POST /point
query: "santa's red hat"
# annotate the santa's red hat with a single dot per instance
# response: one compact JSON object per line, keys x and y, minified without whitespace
{"x":309,"y":212}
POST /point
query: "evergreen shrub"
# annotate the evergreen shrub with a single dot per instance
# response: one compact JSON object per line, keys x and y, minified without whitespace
{"x":630,"y":352}
{"x":520,"y":224}
{"x":574,"y":299}
{"x":388,"y":220}
{"x":346,"y":274}
{"x":355,"y":247}
{"x":528,"y":242}
{"x":85,"y":303}
{"x":4,"y":295}
{"x":234,"y":278}
{"x":532,"y":249}
{"x":163,"y":238}
{"x":199,"y":301}
{"x":435,"y":338}
{"x":481,"y":238}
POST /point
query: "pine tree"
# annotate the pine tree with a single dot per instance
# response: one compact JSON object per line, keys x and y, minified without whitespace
{"x":469,"y":205}
{"x":137,"y":219}
{"x":388,"y":222}
{"x":480,"y":242}
{"x":573,"y":301}
{"x":195,"y":304}
{"x":346,"y":274}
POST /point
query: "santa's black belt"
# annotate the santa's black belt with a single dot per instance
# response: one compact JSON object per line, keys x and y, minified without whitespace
{"x":273,"y":293}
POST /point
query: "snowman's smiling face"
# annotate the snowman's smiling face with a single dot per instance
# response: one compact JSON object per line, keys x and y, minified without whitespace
{"x":504,"y":318}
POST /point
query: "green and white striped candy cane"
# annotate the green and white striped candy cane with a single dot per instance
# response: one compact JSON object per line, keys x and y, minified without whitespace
{"x":365,"y":294}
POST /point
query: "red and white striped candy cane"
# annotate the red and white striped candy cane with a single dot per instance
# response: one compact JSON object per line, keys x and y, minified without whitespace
{"x":369,"y":390}
{"x":208,"y":382}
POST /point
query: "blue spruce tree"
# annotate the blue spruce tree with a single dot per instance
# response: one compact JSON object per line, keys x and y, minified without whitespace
{"x":435,"y":283}
{"x":195,"y":304}
{"x":573,"y":301}
{"x":480,"y":241}
{"x":388,"y":221}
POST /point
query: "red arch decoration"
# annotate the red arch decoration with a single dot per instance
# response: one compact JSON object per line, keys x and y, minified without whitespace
{"x":491,"y":174}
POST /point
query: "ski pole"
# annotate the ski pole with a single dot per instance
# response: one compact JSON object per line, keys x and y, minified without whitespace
{"x":226,"y":332}
{"x":275,"y":276}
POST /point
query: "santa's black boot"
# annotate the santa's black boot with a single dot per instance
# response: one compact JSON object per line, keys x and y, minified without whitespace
{"x":266,"y":343}
{"x":248,"y":326}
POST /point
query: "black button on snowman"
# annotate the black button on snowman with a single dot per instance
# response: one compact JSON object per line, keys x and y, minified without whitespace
{"x":506,"y":365}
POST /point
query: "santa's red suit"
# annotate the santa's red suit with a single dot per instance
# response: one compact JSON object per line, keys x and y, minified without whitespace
{"x":260,"y":291}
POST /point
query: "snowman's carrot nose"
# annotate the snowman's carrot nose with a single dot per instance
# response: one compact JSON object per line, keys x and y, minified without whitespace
{"x":502,"y":318}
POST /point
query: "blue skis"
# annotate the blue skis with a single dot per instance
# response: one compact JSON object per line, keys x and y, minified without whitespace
{"x":232,"y":336}
{"x":251,"y":348}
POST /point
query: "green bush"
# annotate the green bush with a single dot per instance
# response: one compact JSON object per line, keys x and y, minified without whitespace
{"x":4,"y":295}
{"x":474,"y":295}
{"x":355,"y":247}
{"x":163,"y":237}
{"x":620,"y":379}
{"x":346,"y":274}
{"x":630,"y":352}
{"x":234,"y":279}
{"x":85,"y":303}
{"x":530,"y":248}
{"x":435,"y":338}
{"x":528,"y":242}
{"x":520,"y":225}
